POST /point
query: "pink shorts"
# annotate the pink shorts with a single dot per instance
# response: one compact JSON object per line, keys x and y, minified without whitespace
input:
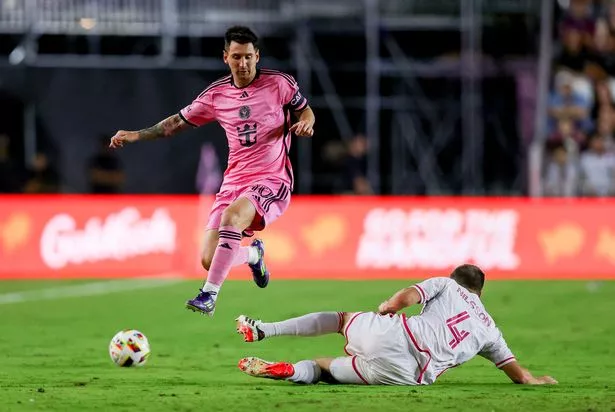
{"x":270,"y":197}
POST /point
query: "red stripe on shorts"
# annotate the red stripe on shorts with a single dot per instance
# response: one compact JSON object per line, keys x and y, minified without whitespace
{"x":346,"y":331}
{"x":354,"y":366}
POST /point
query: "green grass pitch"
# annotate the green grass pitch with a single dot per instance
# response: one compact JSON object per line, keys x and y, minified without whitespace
{"x":54,"y":352}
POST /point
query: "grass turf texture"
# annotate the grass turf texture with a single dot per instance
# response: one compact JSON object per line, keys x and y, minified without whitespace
{"x":54,"y":352}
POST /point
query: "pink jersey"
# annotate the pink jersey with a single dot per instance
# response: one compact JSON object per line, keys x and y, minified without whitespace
{"x":452,"y":328}
{"x":256,"y":119}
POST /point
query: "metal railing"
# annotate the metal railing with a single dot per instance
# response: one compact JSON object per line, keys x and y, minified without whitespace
{"x":191,"y":17}
{"x":133,"y":17}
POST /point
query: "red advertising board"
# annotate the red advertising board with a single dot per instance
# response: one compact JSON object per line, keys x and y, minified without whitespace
{"x":91,"y":236}
{"x":318,"y":237}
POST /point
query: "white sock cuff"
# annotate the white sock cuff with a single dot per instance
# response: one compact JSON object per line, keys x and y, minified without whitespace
{"x":210,"y":287}
{"x":252,"y":255}
{"x":306,"y":371}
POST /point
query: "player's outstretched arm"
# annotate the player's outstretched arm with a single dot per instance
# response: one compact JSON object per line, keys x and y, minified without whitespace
{"x":168,"y":127}
{"x":520,"y":375}
{"x":400,"y":300}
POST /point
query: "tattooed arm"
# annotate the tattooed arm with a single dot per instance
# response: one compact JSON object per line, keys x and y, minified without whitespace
{"x":166,"y":128}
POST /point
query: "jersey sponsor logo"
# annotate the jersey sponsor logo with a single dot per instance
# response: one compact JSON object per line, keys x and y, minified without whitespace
{"x":244,"y":95}
{"x":247,"y":135}
{"x":245,"y":112}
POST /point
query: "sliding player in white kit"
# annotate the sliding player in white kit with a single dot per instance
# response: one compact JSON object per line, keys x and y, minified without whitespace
{"x":387,"y":348}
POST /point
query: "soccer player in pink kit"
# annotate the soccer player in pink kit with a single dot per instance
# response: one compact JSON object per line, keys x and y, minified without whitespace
{"x":254,"y":107}
{"x":386,"y":348}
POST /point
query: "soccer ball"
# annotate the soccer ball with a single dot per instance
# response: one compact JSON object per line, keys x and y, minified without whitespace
{"x":129,"y":347}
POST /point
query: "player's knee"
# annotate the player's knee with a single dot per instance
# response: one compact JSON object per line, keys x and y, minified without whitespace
{"x":233,"y":217}
{"x":350,"y":370}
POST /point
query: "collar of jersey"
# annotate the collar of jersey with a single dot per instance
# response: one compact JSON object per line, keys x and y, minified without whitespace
{"x":258,"y":72}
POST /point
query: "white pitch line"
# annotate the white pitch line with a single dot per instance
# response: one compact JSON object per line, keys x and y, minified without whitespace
{"x":88,"y":289}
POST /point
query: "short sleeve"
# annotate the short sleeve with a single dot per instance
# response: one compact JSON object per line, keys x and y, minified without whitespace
{"x":291,"y":95}
{"x":200,"y":111}
{"x":497,"y":351}
{"x":430,"y":288}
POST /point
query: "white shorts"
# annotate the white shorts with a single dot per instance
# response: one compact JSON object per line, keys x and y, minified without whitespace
{"x":378,"y":351}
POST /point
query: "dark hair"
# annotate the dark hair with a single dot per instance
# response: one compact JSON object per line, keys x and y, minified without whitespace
{"x":470,"y":277}
{"x":241,"y":35}
{"x":556,"y":144}
{"x":595,"y":136}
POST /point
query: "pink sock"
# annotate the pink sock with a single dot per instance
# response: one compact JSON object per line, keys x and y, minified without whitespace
{"x":229,"y":239}
{"x":241,"y":258}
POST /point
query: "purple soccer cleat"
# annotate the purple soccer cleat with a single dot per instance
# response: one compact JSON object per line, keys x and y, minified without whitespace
{"x":260,"y":274}
{"x":203,"y":303}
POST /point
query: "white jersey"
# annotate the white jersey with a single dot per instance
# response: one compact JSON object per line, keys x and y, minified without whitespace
{"x":452,"y":328}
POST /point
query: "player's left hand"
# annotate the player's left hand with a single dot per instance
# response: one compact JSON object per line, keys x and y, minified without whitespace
{"x":302,"y":128}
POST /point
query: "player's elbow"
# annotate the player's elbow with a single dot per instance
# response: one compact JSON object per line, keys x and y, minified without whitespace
{"x":411,"y":296}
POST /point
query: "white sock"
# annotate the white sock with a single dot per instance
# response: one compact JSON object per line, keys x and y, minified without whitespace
{"x":210,"y":287}
{"x":252,"y":255}
{"x":312,"y":324}
{"x":306,"y":371}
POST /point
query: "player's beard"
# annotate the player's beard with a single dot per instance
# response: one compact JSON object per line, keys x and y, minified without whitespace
{"x":245,"y":77}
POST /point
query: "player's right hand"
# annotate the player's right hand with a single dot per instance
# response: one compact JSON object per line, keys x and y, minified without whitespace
{"x":543,"y":380}
{"x":122,"y":137}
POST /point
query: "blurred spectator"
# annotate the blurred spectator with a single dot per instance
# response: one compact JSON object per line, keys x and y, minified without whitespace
{"x":579,"y":18}
{"x":609,"y":13}
{"x":603,"y":103}
{"x":334,"y":152}
{"x":561,"y":176}
{"x":565,"y":103}
{"x":42,"y":177}
{"x":601,"y":60}
{"x":605,"y":130}
{"x":105,"y":170}
{"x":10,"y":173}
{"x":597,"y":169}
{"x":209,"y":174}
{"x":355,"y":167}
{"x":583,"y":96}
{"x":574,"y":54}
{"x":573,"y":59}
{"x":567,"y":134}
